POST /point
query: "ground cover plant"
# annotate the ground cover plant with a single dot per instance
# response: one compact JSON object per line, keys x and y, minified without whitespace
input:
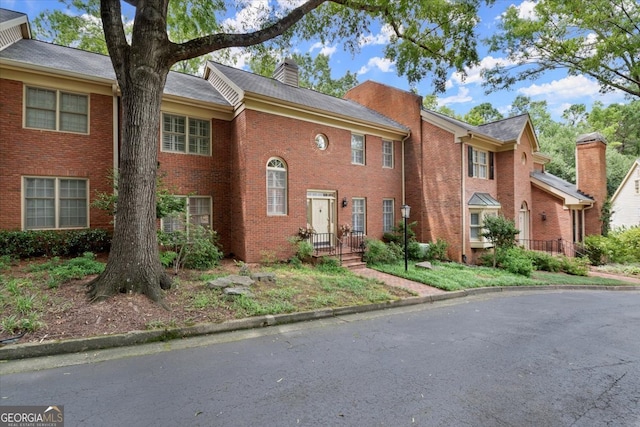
{"x":46,"y":298}
{"x":455,"y":277}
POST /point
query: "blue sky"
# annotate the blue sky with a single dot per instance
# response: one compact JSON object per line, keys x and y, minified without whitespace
{"x":557,"y":88}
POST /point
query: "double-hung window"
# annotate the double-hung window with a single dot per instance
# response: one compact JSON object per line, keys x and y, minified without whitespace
{"x":357,"y":149}
{"x":56,"y":110}
{"x":54,"y":203}
{"x":388,"y":218}
{"x":387,"y":154}
{"x":358,"y":215}
{"x":276,"y":187}
{"x":182,"y":134}
{"x":480,"y":163}
{"x":197,"y":212}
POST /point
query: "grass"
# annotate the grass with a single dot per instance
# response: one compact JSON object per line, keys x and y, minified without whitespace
{"x":31,"y":293}
{"x":632,"y":269}
{"x":454,"y":277}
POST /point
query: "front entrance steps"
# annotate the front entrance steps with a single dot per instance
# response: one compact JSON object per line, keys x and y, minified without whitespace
{"x":350,"y":260}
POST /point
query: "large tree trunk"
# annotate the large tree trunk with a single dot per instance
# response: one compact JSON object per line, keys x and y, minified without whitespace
{"x":134,"y":262}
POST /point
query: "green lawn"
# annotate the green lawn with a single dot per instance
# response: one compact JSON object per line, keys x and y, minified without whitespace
{"x":454,"y":277}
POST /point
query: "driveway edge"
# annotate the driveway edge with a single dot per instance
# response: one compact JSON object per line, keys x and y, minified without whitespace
{"x":50,"y":348}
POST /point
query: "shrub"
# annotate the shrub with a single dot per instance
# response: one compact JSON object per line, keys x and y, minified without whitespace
{"x":544,"y":261}
{"x":202,"y":252}
{"x":516,"y":261}
{"x":595,"y":248}
{"x":167,"y":258}
{"x":303,"y":248}
{"x":198,"y":248}
{"x":34,"y":243}
{"x":575,"y":266}
{"x":329,"y":265}
{"x":437,"y":250}
{"x":501,"y":232}
{"x":377,"y":252}
{"x":414,"y":251}
{"x":396,"y":235}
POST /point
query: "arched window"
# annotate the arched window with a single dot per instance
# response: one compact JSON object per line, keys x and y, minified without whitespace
{"x":276,"y":187}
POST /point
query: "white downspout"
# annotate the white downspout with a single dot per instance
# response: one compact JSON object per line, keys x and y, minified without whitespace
{"x":463,"y":180}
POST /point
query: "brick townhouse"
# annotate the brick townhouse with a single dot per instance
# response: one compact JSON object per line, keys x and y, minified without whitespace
{"x":258,"y":158}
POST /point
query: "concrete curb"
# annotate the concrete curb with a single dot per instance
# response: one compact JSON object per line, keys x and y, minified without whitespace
{"x":29,"y":350}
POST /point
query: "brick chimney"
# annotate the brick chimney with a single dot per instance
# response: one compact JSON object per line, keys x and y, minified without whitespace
{"x":287,"y":72}
{"x":591,"y":176}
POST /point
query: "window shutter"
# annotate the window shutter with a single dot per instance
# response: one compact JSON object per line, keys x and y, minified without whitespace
{"x":470,"y":159}
{"x":490,"y":165}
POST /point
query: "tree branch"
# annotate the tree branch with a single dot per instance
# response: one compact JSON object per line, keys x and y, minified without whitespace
{"x":116,"y":40}
{"x":203,"y":45}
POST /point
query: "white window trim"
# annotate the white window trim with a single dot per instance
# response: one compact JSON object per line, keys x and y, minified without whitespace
{"x":393,"y":215}
{"x":56,"y":203}
{"x":390,"y":155}
{"x":477,"y":165}
{"x":284,"y":169}
{"x":364,"y":214}
{"x":187,"y":135}
{"x":364,"y":149}
{"x":481,"y":242}
{"x":187,"y":199}
{"x":57,"y":121}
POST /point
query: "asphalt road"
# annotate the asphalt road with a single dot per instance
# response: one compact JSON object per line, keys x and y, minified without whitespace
{"x":513,"y":359}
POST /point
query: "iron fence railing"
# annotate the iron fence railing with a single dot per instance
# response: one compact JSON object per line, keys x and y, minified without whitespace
{"x":557,"y":246}
{"x":328,"y":244}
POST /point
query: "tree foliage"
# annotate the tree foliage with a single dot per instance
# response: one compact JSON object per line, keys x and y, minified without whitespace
{"x":482,"y":113}
{"x":600,"y":39}
{"x":427,"y":38}
{"x":314,"y":73}
{"x":501,"y":232}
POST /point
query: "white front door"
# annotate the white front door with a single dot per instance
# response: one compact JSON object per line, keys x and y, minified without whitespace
{"x":320,"y":215}
{"x":320,"y":211}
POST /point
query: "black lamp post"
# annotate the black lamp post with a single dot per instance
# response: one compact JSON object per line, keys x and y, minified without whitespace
{"x":405,"y":214}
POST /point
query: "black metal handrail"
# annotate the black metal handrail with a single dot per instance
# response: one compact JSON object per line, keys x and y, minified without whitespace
{"x":330,"y":244}
{"x":557,"y":246}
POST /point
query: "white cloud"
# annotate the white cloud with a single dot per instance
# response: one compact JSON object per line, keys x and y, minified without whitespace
{"x":526,"y":10}
{"x":460,"y":97}
{"x":474,"y":74}
{"x":324,"y":50}
{"x":249,"y":18}
{"x":382,"y":38}
{"x":570,"y":87}
{"x":383,"y":64}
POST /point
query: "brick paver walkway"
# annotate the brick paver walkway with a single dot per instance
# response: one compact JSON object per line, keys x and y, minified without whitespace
{"x":399,"y":282}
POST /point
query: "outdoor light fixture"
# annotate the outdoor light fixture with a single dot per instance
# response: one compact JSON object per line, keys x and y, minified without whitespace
{"x":345,"y":202}
{"x":544,"y":216}
{"x":405,"y":209}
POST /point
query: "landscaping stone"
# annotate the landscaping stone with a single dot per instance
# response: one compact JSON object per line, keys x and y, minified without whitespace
{"x":230,"y":281}
{"x":240,"y":290}
{"x":264,"y":277}
{"x":425,"y":264}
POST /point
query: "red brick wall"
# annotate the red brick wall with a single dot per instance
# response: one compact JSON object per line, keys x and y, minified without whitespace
{"x":261,"y":136}
{"x":442,"y":188}
{"x":208,"y":176}
{"x":403,"y":107}
{"x":50,"y":153}
{"x":557,"y":224}
{"x":591,"y":176}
